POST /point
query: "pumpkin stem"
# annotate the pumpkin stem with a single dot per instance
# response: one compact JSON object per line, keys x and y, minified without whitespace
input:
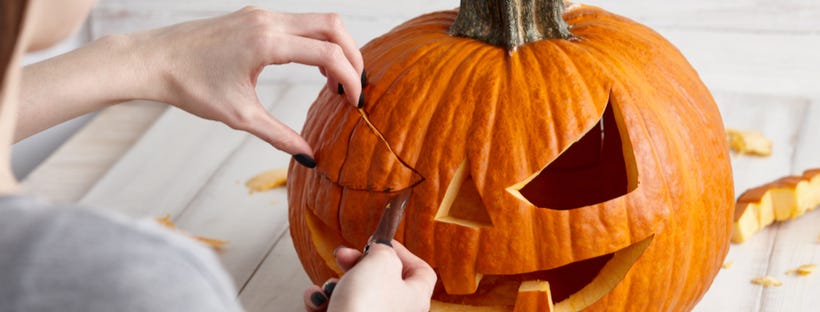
{"x":511,"y":23}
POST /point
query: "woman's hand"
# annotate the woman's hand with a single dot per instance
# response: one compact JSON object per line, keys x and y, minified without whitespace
{"x":386,"y":279}
{"x":210,"y":67}
{"x":207,"y":67}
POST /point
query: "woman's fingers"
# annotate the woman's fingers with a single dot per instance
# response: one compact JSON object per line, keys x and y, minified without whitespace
{"x":254,"y":119}
{"x":315,"y":299}
{"x":346,"y":257}
{"x":326,"y":27}
{"x":327,"y":55}
{"x":415,"y":272}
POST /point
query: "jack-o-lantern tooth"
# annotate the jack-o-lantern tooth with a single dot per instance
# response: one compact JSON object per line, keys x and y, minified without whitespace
{"x":598,"y":167}
{"x":462,"y":203}
{"x":534,"y":296}
{"x":460,"y":279}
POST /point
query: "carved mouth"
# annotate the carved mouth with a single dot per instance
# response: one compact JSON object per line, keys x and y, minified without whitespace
{"x":569,"y":288}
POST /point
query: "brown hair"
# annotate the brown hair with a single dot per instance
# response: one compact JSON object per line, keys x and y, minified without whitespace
{"x":12,"y":13}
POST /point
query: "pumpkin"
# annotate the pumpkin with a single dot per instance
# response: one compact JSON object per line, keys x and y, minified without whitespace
{"x":543,"y":142}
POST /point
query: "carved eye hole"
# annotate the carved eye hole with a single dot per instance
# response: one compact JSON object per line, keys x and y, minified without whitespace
{"x":597,"y":168}
{"x":462,"y":204}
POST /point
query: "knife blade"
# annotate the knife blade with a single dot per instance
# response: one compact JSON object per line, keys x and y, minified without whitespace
{"x":390,"y":219}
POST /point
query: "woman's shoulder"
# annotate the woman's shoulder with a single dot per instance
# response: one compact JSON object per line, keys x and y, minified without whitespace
{"x":78,"y":259}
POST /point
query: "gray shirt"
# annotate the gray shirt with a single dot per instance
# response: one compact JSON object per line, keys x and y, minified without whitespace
{"x":63,"y":258}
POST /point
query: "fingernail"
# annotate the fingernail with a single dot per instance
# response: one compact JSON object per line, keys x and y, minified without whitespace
{"x":328,"y":288}
{"x":384,"y":242}
{"x":305,"y":160}
{"x":318,"y":298}
{"x":335,"y":250}
{"x":364,"y":78}
{"x":361,"y":100}
{"x":341,"y":89}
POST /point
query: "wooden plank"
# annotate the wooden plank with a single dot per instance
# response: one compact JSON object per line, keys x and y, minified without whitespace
{"x":279,"y":283}
{"x":729,"y":15}
{"x":796,"y":241}
{"x":745,"y":47}
{"x":76,"y":166}
{"x":752,"y":63}
{"x":779,"y":119}
{"x":223,"y":207}
{"x":168,"y":165}
{"x":808,"y":145}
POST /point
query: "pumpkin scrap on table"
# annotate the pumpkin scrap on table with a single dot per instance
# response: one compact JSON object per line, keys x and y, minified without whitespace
{"x":268,"y":180}
{"x":214,"y":243}
{"x":749,"y":142}
{"x":544,"y":142}
{"x":783,"y":199}
{"x":803,"y":270}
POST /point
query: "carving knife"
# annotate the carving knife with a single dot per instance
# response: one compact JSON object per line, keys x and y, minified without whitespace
{"x":391,"y":217}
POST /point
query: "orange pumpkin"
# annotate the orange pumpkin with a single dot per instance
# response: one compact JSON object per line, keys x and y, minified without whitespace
{"x":579,"y":148}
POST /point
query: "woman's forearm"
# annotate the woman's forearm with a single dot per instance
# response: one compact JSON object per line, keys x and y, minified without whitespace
{"x":206,"y":67}
{"x":105,"y":72}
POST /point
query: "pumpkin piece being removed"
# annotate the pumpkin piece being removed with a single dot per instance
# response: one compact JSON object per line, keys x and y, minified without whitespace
{"x":749,"y":142}
{"x":784,"y":199}
{"x":268,"y":180}
{"x":213,"y":243}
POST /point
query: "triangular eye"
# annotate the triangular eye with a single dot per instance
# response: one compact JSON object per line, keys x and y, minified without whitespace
{"x":462,"y":204}
{"x":597,"y":168}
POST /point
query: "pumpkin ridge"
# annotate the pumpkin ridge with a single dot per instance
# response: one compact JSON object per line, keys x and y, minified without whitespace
{"x":410,"y":65}
{"x":342,"y":166}
{"x":663,"y":212}
{"x":423,"y":121}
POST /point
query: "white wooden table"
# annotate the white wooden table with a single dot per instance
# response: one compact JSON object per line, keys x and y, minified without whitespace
{"x":145,"y":161}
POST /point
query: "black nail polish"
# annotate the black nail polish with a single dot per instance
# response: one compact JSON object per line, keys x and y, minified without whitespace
{"x":341,"y":89}
{"x":364,"y":78}
{"x":305,"y":160}
{"x":328,"y":288}
{"x":361,"y":100}
{"x":318,"y":299}
{"x":384,"y":242}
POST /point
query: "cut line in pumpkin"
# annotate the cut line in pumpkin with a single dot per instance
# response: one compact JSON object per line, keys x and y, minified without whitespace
{"x":611,"y":269}
{"x":598,"y":167}
{"x":351,"y":165}
{"x":462,"y":204}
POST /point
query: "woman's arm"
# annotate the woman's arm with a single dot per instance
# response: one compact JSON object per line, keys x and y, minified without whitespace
{"x":78,"y":82}
{"x":206,"y":67}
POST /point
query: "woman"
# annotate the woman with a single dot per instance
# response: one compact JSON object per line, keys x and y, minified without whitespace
{"x":71,"y":259}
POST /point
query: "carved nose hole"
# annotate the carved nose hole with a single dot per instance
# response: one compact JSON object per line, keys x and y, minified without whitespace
{"x":599,"y":167}
{"x":462,"y":203}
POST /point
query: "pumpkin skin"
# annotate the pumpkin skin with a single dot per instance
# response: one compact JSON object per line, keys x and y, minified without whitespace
{"x":435,"y":102}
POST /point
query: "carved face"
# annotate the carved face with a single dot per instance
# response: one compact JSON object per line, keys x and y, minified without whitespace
{"x":565,"y":162}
